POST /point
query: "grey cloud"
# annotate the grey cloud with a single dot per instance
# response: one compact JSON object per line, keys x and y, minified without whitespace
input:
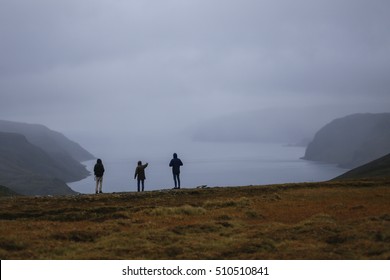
{"x":73,"y":64}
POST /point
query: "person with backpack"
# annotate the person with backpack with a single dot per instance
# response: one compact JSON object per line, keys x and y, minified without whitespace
{"x":175,"y":164}
{"x":99,"y":172}
{"x":140,"y":175}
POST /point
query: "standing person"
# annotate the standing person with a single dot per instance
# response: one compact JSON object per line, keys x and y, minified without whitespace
{"x":175,"y":164}
{"x":140,"y":174}
{"x":99,"y":171}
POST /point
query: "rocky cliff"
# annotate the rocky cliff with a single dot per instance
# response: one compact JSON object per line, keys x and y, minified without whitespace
{"x":351,"y":141}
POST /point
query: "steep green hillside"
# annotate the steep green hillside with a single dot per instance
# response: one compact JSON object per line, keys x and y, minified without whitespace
{"x":52,"y":142}
{"x":37,"y":160}
{"x":352,"y":141}
{"x":376,"y":168}
{"x":27,"y":169}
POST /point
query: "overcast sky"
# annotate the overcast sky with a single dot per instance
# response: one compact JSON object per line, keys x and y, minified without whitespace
{"x":100,"y":70}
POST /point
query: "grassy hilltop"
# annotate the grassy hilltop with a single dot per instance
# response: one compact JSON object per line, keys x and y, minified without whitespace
{"x":331,"y":220}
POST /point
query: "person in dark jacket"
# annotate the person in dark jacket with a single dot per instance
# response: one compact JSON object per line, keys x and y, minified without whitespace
{"x":99,"y":172}
{"x":140,"y":175}
{"x":175,"y":164}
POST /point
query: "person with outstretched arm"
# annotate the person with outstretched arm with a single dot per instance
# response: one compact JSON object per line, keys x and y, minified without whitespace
{"x":140,"y":175}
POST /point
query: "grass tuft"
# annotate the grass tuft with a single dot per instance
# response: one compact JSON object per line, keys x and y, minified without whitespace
{"x":187,"y":210}
{"x":12,"y":245}
{"x":76,"y":236}
{"x":238,"y":203}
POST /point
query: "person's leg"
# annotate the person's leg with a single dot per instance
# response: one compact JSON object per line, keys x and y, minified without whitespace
{"x":178,"y":180}
{"x":174,"y":179}
{"x":101,"y":185}
{"x":143,"y":185}
{"x":138,"y":184}
{"x":97,"y":185}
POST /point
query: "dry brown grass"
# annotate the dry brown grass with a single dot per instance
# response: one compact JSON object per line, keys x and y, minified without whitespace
{"x":333,"y":220}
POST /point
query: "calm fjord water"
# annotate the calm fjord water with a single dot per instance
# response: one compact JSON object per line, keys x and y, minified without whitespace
{"x":226,"y":164}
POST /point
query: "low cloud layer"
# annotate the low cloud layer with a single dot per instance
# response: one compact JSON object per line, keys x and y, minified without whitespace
{"x":142,"y":70}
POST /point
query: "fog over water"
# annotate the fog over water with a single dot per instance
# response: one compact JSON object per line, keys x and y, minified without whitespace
{"x":139,"y":80}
